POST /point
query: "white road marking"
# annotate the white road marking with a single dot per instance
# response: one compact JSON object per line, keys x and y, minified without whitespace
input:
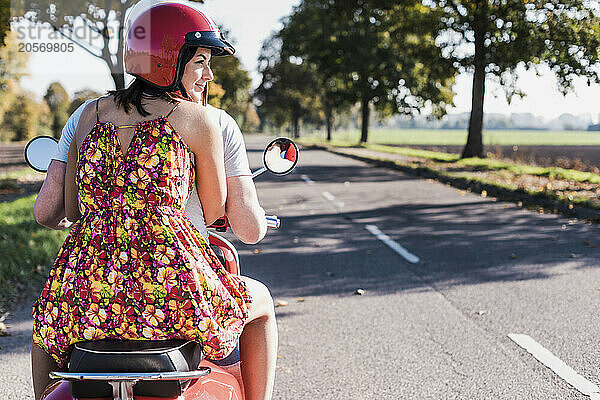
{"x":557,"y":365}
{"x":306,"y":179}
{"x":411,"y":258}
{"x":329,"y":196}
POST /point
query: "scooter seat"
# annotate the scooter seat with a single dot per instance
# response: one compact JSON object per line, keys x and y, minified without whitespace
{"x":104,"y":356}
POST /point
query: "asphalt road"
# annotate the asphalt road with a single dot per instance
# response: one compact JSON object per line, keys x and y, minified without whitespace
{"x":434,"y":329}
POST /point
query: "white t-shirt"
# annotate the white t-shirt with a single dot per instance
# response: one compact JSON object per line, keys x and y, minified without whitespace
{"x":236,"y":159}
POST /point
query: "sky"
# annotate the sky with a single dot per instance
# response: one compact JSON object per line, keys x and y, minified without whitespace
{"x":251,"y":22}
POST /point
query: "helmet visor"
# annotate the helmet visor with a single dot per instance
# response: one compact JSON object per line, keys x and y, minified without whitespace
{"x":212,"y":40}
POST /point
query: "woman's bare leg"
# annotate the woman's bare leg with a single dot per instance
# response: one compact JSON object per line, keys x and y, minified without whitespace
{"x":41,"y":365}
{"x":258,"y":344}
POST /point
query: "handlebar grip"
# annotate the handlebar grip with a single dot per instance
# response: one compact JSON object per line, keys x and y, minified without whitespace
{"x":272,"y":221}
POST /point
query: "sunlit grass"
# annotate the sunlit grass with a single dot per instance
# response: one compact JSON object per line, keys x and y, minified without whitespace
{"x":26,"y":249}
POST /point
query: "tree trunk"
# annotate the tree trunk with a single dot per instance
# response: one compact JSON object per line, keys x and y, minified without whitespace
{"x":119,"y":79}
{"x":295,"y":125}
{"x":365,"y":120}
{"x":474,"y":146}
{"x":328,"y":121}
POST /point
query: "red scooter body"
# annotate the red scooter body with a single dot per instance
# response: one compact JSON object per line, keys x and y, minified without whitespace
{"x":218,"y":385}
{"x":222,"y":383}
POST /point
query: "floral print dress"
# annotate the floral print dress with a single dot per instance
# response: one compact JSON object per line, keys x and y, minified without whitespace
{"x":133,"y":266}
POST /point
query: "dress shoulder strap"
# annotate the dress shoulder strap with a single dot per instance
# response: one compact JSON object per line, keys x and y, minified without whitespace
{"x":172,"y":109}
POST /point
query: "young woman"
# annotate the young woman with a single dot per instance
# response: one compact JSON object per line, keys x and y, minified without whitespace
{"x":134,"y":266}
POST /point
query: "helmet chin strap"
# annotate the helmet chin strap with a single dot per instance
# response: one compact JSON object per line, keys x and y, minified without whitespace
{"x":204,"y":93}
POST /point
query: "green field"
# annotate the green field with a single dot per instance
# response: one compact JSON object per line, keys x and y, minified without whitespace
{"x":26,"y":250}
{"x":459,"y":137}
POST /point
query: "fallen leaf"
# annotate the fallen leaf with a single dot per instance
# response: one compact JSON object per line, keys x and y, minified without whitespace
{"x":589,"y":243}
{"x":328,"y":273}
{"x":570,"y":206}
{"x":300,"y":299}
{"x":481,"y":312}
{"x":281,"y":303}
{"x":295,"y":240}
{"x":573,"y":255}
{"x":257,"y":251}
{"x":484,"y":193}
{"x":359,"y":292}
{"x":513,"y":256}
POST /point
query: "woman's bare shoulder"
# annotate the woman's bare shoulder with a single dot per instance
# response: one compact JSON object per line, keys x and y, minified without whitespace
{"x":194,"y":123}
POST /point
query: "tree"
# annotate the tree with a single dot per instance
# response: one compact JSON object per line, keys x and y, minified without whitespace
{"x":490,"y":38}
{"x":4,"y":20}
{"x":25,"y":119}
{"x":96,"y":26}
{"x":80,"y":97}
{"x":58,"y":102}
{"x":379,"y":53}
{"x":286,"y":92}
{"x":307,"y":25}
{"x":12,"y":67}
{"x":235,"y":82}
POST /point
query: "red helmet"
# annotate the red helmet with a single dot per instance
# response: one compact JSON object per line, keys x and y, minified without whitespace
{"x":157,"y":36}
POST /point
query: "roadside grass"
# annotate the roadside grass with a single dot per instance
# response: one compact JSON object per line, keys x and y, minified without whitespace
{"x":26,"y":250}
{"x":458,"y":137}
{"x":19,"y":173}
{"x":571,"y":187}
{"x":9,"y":181}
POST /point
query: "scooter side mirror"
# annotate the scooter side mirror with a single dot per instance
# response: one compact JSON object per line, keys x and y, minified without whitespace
{"x":39,"y":151}
{"x":281,"y":156}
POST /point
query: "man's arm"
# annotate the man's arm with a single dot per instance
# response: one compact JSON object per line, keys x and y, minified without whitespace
{"x":49,"y":208}
{"x":246,"y":216}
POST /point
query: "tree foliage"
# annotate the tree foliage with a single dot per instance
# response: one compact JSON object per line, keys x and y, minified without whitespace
{"x":4,"y":20}
{"x":379,"y":53}
{"x":94,"y":25}
{"x":491,"y":38}
{"x":235,"y":82}
{"x":12,"y":68}
{"x":58,"y":102}
{"x":25,"y":119}
{"x":287,"y":91}
{"x":80,"y":97}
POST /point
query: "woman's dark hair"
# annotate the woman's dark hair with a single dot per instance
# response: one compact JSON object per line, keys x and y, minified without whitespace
{"x":139,"y":90}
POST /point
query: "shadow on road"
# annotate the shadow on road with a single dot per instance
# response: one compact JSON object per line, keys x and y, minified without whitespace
{"x":459,"y":244}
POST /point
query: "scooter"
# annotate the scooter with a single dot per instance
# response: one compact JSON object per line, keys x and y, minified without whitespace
{"x":157,"y":370}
